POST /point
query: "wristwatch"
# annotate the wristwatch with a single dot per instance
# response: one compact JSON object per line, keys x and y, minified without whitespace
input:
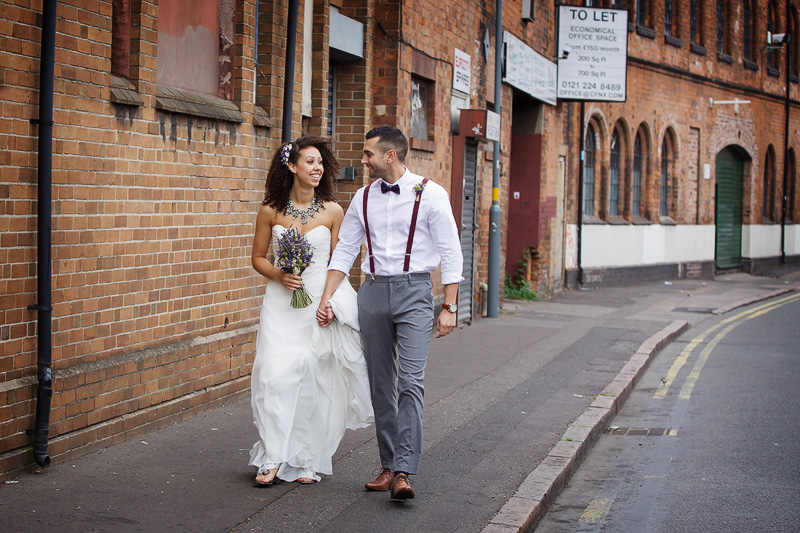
{"x":450,"y":307}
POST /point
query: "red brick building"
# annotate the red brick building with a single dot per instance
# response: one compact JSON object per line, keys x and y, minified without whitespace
{"x":681,"y":179}
{"x":165,"y":115}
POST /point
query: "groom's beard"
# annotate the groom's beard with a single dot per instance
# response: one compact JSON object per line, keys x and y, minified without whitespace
{"x":376,"y":173}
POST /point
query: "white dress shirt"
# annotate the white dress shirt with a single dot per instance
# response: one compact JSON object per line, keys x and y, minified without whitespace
{"x":436,"y":237}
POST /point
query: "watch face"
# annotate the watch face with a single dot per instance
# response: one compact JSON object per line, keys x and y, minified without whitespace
{"x":451,"y":307}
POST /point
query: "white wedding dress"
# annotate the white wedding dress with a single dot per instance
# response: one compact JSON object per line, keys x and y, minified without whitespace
{"x":309,"y":383}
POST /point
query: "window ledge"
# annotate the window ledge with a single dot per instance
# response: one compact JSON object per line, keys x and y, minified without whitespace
{"x":639,"y":220}
{"x":667,"y":221}
{"x":773,"y":72}
{"x":672,"y":40}
{"x":724,"y":58}
{"x":262,"y":118}
{"x":591,"y":220}
{"x":750,"y":65}
{"x":644,"y":31}
{"x":794,"y":78}
{"x":422,"y":144}
{"x":124,"y":92}
{"x":617,"y":220}
{"x":202,"y":105}
{"x":697,"y":49}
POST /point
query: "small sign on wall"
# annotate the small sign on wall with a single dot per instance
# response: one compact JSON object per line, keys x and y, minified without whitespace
{"x":462,"y":71}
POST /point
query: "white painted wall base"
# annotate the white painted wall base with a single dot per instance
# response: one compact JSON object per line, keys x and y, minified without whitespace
{"x":765,"y":240}
{"x":608,"y":246}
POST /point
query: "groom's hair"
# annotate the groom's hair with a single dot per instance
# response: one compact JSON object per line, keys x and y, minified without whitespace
{"x":390,"y":138}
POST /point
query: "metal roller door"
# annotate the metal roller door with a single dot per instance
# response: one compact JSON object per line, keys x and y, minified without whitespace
{"x":466,"y":291}
{"x":728,"y":210}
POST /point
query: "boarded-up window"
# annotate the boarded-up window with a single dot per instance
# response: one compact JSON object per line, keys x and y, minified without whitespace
{"x":188,"y":45}
{"x":420,"y":94}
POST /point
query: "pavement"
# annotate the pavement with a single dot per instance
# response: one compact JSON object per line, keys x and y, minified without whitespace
{"x":512,"y":405}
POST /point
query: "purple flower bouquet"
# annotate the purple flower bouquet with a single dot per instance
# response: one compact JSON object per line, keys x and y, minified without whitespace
{"x":294,"y":255}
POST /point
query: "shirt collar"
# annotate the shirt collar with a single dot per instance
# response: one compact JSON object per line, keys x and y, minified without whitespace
{"x":402,"y":182}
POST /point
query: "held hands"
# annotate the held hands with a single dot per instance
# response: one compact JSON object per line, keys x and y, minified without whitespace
{"x":325,"y":314}
{"x":445,"y":323}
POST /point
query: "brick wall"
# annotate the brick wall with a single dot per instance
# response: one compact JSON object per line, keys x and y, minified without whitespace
{"x":154,"y":301}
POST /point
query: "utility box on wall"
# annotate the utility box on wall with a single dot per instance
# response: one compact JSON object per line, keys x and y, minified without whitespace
{"x":480,"y":124}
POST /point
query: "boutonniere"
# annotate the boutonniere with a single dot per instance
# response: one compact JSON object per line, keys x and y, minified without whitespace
{"x":418,"y":188}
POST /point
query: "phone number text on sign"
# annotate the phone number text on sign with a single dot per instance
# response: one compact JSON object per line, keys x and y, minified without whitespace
{"x":592,"y":50}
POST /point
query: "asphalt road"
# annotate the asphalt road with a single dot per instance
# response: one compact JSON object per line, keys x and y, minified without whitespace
{"x":709,"y":440}
{"x":499,"y":396}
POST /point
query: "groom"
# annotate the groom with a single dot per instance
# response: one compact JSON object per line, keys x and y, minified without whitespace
{"x":409,"y":229}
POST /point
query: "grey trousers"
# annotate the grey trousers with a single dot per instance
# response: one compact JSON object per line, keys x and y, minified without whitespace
{"x":396,"y":318}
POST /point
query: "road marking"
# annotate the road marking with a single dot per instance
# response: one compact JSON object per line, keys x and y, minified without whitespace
{"x":683,"y":357}
{"x":595,"y":511}
{"x":688,"y":387}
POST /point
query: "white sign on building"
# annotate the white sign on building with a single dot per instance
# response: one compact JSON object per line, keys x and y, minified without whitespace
{"x":528,"y":70}
{"x":593,"y":53}
{"x":462,"y":71}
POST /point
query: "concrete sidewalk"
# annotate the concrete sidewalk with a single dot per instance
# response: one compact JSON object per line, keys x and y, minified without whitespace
{"x":511,"y":405}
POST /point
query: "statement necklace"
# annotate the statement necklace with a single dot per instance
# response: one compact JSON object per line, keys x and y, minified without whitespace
{"x":310,"y":211}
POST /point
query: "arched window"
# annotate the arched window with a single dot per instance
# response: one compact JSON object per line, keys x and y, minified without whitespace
{"x":772,"y":27}
{"x":665,"y":171}
{"x":644,"y":16}
{"x":696,"y":22}
{"x":768,"y":187}
{"x":672,"y":18}
{"x":613,"y":176}
{"x":636,"y":185}
{"x":748,"y":31}
{"x":723,"y":46}
{"x":589,"y":170}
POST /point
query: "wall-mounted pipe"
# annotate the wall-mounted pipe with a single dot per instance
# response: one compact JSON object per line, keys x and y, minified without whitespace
{"x":44,"y":307}
{"x":288,"y":75}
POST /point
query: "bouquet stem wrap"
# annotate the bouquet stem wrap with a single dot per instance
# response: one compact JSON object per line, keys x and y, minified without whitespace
{"x":300,"y":297}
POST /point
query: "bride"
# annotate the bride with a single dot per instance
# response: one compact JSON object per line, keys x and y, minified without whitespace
{"x":309,"y":384}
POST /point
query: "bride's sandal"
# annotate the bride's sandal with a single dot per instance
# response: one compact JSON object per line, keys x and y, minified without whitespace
{"x":306,"y":480}
{"x":267,"y":477}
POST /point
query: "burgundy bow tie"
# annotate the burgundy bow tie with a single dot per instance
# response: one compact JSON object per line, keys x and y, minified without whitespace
{"x":386,"y":188}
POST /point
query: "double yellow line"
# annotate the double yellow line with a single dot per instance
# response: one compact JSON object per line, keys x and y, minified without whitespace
{"x":727,"y":325}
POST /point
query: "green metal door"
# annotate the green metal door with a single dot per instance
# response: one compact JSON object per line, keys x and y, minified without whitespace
{"x":728,"y":249}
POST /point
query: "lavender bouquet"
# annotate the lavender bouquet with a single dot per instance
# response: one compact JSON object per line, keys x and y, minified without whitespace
{"x":294,"y":255}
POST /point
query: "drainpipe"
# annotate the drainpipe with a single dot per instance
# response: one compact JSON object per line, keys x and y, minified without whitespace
{"x":493,"y":292}
{"x":44,"y":392}
{"x":789,"y":50}
{"x":579,"y":230}
{"x":288,"y":74}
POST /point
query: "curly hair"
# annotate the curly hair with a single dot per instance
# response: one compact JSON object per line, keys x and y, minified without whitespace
{"x":280,"y":179}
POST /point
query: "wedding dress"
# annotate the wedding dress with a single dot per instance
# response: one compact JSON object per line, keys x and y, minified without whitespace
{"x":309,"y":383}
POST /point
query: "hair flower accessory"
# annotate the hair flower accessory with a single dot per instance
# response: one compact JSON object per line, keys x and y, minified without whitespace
{"x":418,"y":188}
{"x":285,"y":151}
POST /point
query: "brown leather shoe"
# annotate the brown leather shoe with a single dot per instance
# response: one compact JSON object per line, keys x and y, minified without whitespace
{"x":382,"y":482}
{"x":401,"y":488}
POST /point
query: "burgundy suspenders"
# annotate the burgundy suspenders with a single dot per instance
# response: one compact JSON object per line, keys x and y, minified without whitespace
{"x":369,"y":240}
{"x":407,"y":262}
